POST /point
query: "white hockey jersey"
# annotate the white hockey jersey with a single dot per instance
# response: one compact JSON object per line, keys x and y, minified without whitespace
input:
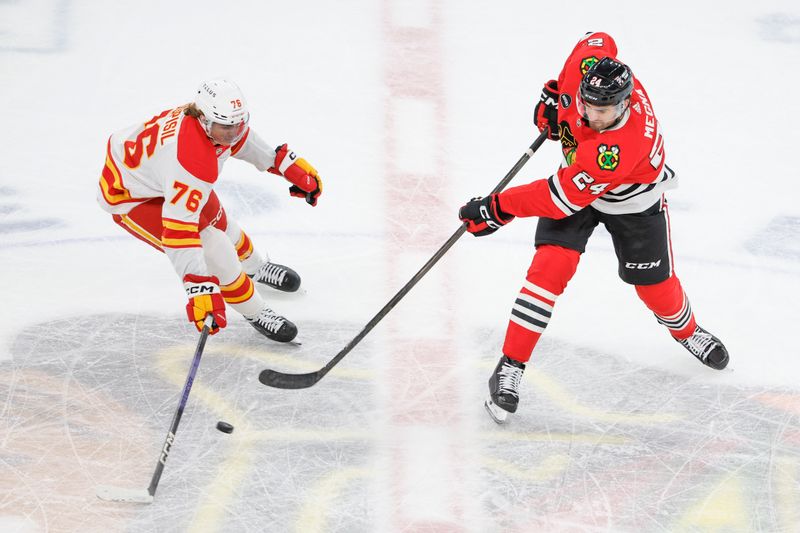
{"x":171,"y":157}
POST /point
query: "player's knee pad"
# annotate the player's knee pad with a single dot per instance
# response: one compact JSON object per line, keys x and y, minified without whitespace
{"x":552,"y":267}
{"x":220,"y":255}
{"x":213,"y":214}
{"x":670,"y":289}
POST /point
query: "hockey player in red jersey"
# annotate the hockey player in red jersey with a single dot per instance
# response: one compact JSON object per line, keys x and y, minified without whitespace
{"x":158,"y":184}
{"x":615,"y":172}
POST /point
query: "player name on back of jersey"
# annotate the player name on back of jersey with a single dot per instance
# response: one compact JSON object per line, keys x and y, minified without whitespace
{"x":649,"y":116}
{"x":171,"y":125}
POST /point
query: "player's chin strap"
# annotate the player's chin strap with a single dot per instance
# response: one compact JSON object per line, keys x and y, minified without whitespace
{"x":621,"y":115}
{"x":280,"y":380}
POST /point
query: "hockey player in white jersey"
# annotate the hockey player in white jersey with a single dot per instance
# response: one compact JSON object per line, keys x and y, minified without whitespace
{"x":158,"y":184}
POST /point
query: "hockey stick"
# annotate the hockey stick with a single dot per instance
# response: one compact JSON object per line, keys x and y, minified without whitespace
{"x":279,"y":380}
{"x":120,"y":494}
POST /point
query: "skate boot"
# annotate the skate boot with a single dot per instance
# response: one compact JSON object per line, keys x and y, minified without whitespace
{"x":707,"y":348}
{"x":504,"y":389}
{"x":278,"y":277}
{"x":273,"y":326}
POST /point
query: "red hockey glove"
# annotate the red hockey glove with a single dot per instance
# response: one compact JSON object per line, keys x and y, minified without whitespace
{"x":546,"y":111}
{"x":305,"y":180}
{"x":204,"y":298}
{"x":483,"y":215}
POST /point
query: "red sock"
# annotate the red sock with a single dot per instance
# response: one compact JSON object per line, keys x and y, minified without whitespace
{"x":670,"y":305}
{"x":550,"y":271}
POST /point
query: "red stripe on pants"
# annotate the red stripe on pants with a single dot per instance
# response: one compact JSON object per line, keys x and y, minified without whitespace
{"x":147,"y":216}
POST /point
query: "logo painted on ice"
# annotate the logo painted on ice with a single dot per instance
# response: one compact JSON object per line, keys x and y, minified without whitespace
{"x":587,"y":63}
{"x":608,"y":158}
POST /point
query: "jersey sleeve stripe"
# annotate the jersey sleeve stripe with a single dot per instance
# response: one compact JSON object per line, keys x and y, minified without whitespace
{"x":559,"y":198}
{"x":111,"y":185}
{"x":627,"y":194}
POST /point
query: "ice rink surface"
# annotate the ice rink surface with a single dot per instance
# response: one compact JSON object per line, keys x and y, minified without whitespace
{"x":408,"y":109}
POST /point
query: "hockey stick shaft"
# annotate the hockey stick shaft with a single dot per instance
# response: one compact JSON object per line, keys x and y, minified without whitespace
{"x":281,"y":380}
{"x":176,"y":419}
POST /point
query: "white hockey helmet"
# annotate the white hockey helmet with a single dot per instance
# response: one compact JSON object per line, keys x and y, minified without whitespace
{"x":222,"y":102}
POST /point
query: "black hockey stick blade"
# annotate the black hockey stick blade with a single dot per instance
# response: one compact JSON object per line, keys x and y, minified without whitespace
{"x":280,"y":380}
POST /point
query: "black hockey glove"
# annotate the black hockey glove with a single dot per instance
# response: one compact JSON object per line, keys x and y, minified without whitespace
{"x":545,"y":114}
{"x":483,"y":215}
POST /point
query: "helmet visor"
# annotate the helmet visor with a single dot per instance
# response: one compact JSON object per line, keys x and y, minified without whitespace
{"x":602,"y":114}
{"x":227,"y":134}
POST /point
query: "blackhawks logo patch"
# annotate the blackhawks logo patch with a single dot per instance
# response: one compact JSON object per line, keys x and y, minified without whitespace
{"x":569,"y":155}
{"x":587,"y":63}
{"x":566,"y":136}
{"x":608,"y":158}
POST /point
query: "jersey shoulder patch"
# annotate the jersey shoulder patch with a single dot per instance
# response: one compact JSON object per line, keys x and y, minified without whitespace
{"x":196,"y":152}
{"x":593,"y":47}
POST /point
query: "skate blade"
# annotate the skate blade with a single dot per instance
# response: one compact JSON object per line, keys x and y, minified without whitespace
{"x":497,"y":413}
{"x":274,"y":293}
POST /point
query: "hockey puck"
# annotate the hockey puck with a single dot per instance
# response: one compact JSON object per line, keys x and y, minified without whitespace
{"x":224,"y":427}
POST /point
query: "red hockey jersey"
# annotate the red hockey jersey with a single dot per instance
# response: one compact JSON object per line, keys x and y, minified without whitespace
{"x":618,"y":170}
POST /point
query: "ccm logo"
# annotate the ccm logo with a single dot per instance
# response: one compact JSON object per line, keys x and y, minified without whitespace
{"x":643,"y":266}
{"x":488,"y":218}
{"x":199,"y":289}
{"x":167,"y":446}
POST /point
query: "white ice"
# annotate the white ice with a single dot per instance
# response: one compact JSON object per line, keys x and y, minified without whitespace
{"x":408,"y":109}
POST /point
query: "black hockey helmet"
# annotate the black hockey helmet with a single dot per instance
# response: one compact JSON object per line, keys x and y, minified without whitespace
{"x":607,"y":82}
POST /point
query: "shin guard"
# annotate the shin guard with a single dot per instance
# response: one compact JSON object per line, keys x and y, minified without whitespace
{"x":670,"y":305}
{"x":550,"y":271}
{"x":223,"y":262}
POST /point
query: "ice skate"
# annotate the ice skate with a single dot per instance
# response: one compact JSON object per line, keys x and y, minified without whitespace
{"x":504,"y":389}
{"x":707,"y":348}
{"x":277,"y":276}
{"x":273,"y":326}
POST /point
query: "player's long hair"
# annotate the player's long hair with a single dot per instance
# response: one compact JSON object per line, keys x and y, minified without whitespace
{"x":192,"y":111}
